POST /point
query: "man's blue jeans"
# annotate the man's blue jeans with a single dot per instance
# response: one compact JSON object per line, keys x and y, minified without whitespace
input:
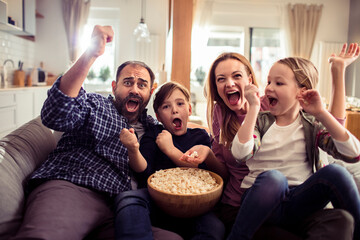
{"x":132,"y":219}
{"x":271,"y":200}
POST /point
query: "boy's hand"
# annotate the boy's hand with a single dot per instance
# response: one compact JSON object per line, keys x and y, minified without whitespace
{"x":164,"y":141}
{"x":129,"y":139}
{"x":197,"y":154}
{"x":99,"y":37}
{"x":310,"y":101}
{"x":344,"y":59}
{"x":252,"y":95}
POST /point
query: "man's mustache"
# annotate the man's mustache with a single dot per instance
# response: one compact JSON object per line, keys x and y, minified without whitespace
{"x":133,"y":96}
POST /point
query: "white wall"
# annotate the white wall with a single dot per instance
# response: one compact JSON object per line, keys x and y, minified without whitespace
{"x":51,"y":43}
{"x":353,"y":83}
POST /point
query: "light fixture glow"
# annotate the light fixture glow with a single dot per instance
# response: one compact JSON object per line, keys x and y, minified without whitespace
{"x":141,"y":32}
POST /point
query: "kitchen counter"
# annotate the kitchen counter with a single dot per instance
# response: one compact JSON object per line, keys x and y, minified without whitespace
{"x":14,"y":88}
{"x":18,"y":105}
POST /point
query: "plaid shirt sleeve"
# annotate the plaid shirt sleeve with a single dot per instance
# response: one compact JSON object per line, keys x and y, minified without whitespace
{"x":89,"y":153}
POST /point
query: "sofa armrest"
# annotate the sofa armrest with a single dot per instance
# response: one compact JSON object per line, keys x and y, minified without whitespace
{"x":21,"y":152}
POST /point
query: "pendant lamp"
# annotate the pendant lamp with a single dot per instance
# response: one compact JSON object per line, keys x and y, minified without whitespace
{"x":141,"y":32}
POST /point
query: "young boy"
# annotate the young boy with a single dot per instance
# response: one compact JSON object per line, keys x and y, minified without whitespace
{"x":161,"y":148}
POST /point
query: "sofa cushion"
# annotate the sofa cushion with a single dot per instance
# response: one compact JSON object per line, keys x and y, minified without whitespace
{"x":21,"y":152}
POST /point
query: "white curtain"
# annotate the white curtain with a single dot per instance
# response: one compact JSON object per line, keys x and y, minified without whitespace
{"x":304,"y":21}
{"x":75,"y":14}
{"x":325,"y":50}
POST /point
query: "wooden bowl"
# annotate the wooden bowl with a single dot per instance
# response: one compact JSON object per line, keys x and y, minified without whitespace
{"x":186,"y":205}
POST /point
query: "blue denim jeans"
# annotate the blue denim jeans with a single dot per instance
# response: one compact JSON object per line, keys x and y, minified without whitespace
{"x":136,"y":212}
{"x":271,"y":200}
{"x":132,"y":215}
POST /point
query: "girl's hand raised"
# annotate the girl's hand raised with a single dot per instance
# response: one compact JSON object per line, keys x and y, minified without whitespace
{"x":345,"y":58}
{"x":252,"y":95}
{"x":310,"y":101}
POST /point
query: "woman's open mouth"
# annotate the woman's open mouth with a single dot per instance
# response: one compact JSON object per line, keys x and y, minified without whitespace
{"x":233,"y":97}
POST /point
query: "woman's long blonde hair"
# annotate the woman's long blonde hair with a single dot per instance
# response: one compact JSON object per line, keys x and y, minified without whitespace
{"x":230,"y":123}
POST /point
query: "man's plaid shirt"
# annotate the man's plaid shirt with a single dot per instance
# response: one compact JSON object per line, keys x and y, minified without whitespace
{"x":89,"y":153}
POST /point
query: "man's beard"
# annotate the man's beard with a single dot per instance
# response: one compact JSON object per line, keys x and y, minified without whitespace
{"x":120,"y":105}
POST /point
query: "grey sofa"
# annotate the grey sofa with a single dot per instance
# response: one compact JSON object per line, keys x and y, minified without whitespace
{"x":21,"y":152}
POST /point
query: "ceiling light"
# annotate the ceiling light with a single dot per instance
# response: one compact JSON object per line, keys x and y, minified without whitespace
{"x":141,"y":32}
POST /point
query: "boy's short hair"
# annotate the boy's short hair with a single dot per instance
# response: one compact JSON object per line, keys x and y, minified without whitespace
{"x":166,"y":90}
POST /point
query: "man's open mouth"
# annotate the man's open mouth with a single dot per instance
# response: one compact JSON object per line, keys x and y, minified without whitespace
{"x":233,"y":97}
{"x":132,"y":105}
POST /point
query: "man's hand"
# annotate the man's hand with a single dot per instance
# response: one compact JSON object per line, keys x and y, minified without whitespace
{"x":129,"y":139}
{"x":99,"y":37}
{"x":73,"y":79}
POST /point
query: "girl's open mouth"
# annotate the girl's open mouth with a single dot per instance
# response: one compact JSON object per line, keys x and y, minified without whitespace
{"x":272,"y":101}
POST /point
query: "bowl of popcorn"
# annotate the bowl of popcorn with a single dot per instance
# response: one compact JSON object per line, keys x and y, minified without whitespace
{"x":185,"y":192}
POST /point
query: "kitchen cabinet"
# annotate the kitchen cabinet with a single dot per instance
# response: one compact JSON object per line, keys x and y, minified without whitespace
{"x":23,"y":12}
{"x":20,"y":105}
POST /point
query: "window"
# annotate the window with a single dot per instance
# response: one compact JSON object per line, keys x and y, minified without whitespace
{"x":264,"y":51}
{"x":103,"y":70}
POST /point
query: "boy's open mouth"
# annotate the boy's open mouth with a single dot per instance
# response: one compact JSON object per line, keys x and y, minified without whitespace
{"x":177,"y":123}
{"x":233,"y":97}
{"x":132,"y":105}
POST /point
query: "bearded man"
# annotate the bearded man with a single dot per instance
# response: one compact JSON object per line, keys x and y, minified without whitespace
{"x":71,"y":195}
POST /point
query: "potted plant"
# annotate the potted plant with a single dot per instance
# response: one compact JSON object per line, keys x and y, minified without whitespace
{"x":91,"y":75}
{"x":104,"y":73}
